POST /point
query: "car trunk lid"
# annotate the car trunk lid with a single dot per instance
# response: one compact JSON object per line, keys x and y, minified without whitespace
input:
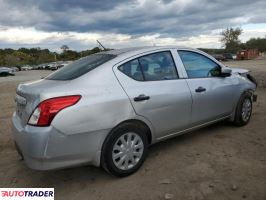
{"x":29,"y":95}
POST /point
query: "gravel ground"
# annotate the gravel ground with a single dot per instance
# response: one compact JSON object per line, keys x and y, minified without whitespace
{"x":217,"y":162}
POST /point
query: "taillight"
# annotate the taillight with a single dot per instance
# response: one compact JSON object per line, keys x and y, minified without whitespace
{"x":45,"y":112}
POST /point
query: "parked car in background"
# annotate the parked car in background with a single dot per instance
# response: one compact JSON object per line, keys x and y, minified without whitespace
{"x":219,"y":57}
{"x":26,"y":68}
{"x":52,"y":66}
{"x":106,"y":109}
{"x":229,"y":56}
{"x":19,"y":67}
{"x":6,"y":71}
{"x":58,"y":65}
{"x":15,"y":69}
{"x":43,"y":66}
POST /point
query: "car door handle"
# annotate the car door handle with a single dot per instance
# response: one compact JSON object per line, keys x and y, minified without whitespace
{"x":141,"y":97}
{"x":200,"y":89}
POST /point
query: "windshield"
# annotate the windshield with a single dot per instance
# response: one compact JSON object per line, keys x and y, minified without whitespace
{"x":80,"y":67}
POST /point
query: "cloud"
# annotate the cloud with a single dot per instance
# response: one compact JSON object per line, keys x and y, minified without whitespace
{"x":30,"y":37}
{"x":168,"y":17}
{"x":151,"y":21}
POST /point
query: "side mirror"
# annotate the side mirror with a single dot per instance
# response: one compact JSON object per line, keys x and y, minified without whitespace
{"x":225,"y":72}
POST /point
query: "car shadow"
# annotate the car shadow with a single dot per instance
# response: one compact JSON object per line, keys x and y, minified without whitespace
{"x":195,"y":134}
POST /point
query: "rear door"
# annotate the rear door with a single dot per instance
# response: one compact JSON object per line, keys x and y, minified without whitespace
{"x":156,"y":92}
{"x":212,"y":94}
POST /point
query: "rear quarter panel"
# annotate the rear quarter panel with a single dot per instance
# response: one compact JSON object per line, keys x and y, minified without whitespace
{"x":103,"y":105}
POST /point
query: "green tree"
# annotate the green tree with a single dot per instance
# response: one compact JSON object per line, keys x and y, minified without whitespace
{"x":64,"y":48}
{"x":44,"y":57}
{"x":230,"y":39}
{"x":69,"y":55}
{"x":89,"y":52}
{"x":256,"y":43}
{"x":32,"y":56}
{"x":17,"y":58}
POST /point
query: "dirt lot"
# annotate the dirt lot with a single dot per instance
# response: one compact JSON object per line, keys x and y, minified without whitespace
{"x":217,"y":162}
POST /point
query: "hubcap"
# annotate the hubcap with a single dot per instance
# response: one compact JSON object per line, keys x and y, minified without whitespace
{"x":246,"y":109}
{"x":127,"y":151}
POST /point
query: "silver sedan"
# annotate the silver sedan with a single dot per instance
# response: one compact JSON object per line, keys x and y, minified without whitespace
{"x":106,"y":109}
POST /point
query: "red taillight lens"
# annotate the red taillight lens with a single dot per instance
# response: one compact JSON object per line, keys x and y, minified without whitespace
{"x":47,"y":110}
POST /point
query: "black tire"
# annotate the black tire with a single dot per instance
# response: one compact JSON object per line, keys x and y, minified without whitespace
{"x":239,"y":119}
{"x":107,"y":150}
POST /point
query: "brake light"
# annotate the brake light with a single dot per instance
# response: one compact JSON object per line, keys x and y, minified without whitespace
{"x":45,"y":112}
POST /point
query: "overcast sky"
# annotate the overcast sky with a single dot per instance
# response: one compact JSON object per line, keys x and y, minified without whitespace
{"x":125,"y":23}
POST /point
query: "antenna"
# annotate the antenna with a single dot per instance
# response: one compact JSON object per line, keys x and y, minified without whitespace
{"x":101,"y":45}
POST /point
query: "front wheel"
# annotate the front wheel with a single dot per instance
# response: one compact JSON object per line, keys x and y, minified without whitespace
{"x":124,"y":150}
{"x":243,"y":110}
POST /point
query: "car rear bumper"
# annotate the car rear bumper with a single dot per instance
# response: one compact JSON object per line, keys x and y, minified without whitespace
{"x":45,"y":148}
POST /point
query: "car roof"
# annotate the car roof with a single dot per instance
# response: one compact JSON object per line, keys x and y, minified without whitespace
{"x":140,"y":49}
{"x":127,"y":53}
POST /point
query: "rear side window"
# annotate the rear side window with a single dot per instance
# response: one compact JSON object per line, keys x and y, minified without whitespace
{"x":132,"y":69}
{"x":80,"y":67}
{"x":152,"y":67}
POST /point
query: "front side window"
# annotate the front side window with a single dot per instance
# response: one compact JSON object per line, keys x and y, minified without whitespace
{"x":199,"y":66}
{"x":152,"y":67}
{"x":80,"y":67}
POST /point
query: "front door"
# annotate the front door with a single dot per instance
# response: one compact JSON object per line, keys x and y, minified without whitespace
{"x":212,"y":94}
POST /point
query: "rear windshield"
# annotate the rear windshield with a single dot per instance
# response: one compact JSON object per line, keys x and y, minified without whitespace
{"x":80,"y":67}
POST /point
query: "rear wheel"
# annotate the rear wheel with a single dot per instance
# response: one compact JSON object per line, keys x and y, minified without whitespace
{"x":243,"y":110}
{"x":124,"y":150}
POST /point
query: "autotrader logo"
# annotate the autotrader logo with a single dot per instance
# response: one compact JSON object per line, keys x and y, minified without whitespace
{"x":26,"y":193}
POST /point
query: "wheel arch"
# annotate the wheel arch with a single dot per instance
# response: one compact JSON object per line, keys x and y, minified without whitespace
{"x":244,"y":91}
{"x":144,"y":125}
